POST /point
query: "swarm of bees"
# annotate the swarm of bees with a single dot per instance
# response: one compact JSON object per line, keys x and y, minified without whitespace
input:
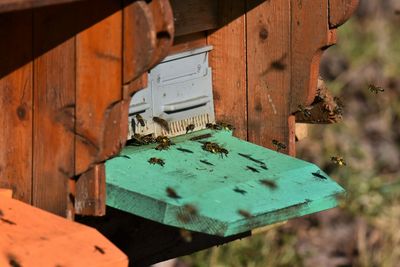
{"x":279,"y":146}
{"x":338,"y":160}
{"x":158,"y":161}
{"x":215,"y":148}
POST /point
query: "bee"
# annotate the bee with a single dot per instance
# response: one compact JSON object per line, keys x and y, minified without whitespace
{"x":172,"y":193}
{"x":140,"y":120}
{"x":99,"y":249}
{"x":186,"y":235}
{"x":319,"y":175}
{"x":163,"y":123}
{"x":188,"y":211}
{"x":252,"y":169}
{"x":190,"y":128}
{"x":375,"y":89}
{"x":162,"y":146}
{"x":213,"y":126}
{"x":223,"y":152}
{"x":268,"y":183}
{"x":156,"y":161}
{"x":244,"y":213}
{"x":338,"y":160}
{"x":278,"y":145}
{"x":163,"y":140}
{"x":226,"y":126}
{"x":240,"y":191}
{"x":215,"y":148}
{"x":305,"y":110}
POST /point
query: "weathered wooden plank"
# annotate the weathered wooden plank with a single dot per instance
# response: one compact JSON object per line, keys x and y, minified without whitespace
{"x":340,"y":11}
{"x":99,"y":89}
{"x":37,"y":238}
{"x":268,"y":65}
{"x":195,"y":16}
{"x":14,"y":5}
{"x":228,"y":61}
{"x":16,"y":104}
{"x":90,"y":198}
{"x":54,"y":107}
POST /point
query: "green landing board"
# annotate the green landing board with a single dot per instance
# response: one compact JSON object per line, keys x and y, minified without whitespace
{"x":135,"y":186}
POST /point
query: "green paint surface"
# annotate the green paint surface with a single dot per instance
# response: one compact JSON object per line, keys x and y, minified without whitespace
{"x":135,"y":186}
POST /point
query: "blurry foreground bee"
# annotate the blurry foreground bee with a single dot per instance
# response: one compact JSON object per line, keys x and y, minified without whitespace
{"x":140,"y":120}
{"x":278,"y":145}
{"x":338,"y":160}
{"x":244,"y":213}
{"x":162,"y":123}
{"x":268,"y":183}
{"x":186,"y":235}
{"x":188,"y":212}
{"x":306,"y":111}
{"x":190,"y":128}
{"x":156,"y":161}
{"x":375,"y":89}
{"x":172,"y":193}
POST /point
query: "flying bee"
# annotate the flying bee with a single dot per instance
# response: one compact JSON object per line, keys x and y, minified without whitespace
{"x":186,"y":215}
{"x":186,"y":235}
{"x":156,"y":161}
{"x":172,"y":193}
{"x":244,"y":213}
{"x":190,"y":128}
{"x":278,"y":145}
{"x":140,"y":120}
{"x":306,"y":111}
{"x":163,"y":123}
{"x":375,"y":89}
{"x":338,"y":160}
{"x":268,"y":183}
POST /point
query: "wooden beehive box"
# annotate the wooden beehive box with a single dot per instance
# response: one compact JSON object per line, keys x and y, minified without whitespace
{"x":68,"y":70}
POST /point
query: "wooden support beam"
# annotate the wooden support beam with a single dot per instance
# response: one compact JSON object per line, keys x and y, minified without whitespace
{"x":16,"y":5}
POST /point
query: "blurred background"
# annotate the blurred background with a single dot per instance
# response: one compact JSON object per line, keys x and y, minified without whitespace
{"x":364,"y":230}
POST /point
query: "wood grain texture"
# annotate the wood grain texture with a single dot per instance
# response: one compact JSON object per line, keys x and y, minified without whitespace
{"x":228,"y":61}
{"x":340,"y":11}
{"x":194,"y":16}
{"x":268,"y":65}
{"x":37,"y":238}
{"x":90,"y":196}
{"x":309,"y":37}
{"x":15,"y":5}
{"x":54,"y":107}
{"x":138,"y":25}
{"x":16,"y":104}
{"x":99,"y":90}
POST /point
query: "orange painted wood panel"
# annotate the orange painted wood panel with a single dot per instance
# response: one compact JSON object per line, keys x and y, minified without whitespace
{"x":99,"y":90}
{"x":268,"y":65}
{"x":37,"y":238}
{"x":16,"y":104}
{"x":228,"y":61}
{"x":54,"y":107}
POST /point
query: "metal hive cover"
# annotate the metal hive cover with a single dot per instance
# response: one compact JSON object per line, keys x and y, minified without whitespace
{"x":233,"y":195}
